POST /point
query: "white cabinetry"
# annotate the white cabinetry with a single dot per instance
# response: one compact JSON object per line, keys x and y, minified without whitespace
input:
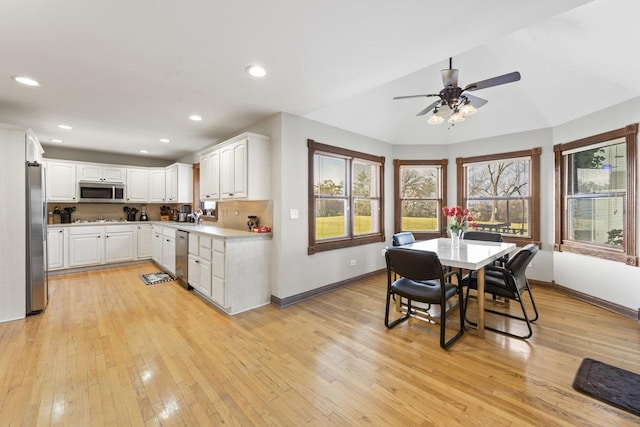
{"x":86,"y":246}
{"x":218,"y":268}
{"x":61,"y":181}
{"x":200,"y":263}
{"x":137,"y":185}
{"x":157,"y":182}
{"x":163,"y":248}
{"x":55,"y":248}
{"x":95,"y":245}
{"x":179,"y":183}
{"x":100,"y":173}
{"x":244,"y":168}
{"x":34,"y":149}
{"x":119,"y":243}
{"x":144,"y":240}
{"x":210,"y":176}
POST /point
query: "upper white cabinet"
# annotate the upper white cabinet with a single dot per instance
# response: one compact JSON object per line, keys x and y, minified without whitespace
{"x":179,"y":183}
{"x":137,"y":185}
{"x":61,"y":181}
{"x":210,"y":175}
{"x":100,"y":173}
{"x":241,"y":169}
{"x":34,"y":149}
{"x":157,"y":182}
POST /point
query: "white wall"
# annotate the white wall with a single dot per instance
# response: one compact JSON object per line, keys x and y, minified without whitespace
{"x":294,"y":271}
{"x":12,"y":224}
{"x":607,"y":280}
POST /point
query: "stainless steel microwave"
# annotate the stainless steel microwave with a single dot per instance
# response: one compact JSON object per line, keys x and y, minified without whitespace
{"x":100,"y":192}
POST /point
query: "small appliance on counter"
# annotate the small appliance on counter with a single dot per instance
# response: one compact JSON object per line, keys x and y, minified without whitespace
{"x":185,"y":210}
{"x":143,"y":214}
{"x":131,"y":213}
{"x":253,"y":222}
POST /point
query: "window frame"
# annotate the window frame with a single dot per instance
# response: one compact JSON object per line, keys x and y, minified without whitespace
{"x":628,"y":253}
{"x":351,"y":239}
{"x":534,"y":188}
{"x":424,"y":235}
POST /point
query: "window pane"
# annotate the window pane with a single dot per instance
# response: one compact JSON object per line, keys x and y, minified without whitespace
{"x":331,"y":218}
{"x":418,"y":182}
{"x":366,"y":214}
{"x":599,"y":170}
{"x":365,"y":179}
{"x":420,"y":215}
{"x":596,"y":220}
{"x":498,"y":179}
{"x":328,"y":175}
{"x":501,"y":215}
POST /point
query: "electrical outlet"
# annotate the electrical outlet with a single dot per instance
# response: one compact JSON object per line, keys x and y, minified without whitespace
{"x":353,"y":262}
{"x":383,"y":252}
{"x":293,"y":214}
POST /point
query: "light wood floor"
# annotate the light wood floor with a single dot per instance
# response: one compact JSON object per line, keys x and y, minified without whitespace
{"x":111,"y":351}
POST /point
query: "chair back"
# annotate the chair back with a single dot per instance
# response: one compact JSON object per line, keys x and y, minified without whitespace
{"x":414,"y":265}
{"x":518,"y":263}
{"x":485,"y":236}
{"x":403,"y":238}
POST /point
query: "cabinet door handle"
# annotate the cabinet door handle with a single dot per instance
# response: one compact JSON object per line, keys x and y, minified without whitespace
{"x":197,"y":262}
{"x":59,"y":231}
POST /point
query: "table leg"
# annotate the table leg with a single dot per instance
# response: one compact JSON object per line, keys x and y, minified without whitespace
{"x":480,"y":281}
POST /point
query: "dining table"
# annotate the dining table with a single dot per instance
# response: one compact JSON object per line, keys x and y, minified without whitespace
{"x":468,"y":255}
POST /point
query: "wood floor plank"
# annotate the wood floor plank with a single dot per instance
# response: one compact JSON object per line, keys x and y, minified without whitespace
{"x":110,"y":350}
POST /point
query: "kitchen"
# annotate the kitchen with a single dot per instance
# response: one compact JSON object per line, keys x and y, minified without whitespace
{"x":103,"y":215}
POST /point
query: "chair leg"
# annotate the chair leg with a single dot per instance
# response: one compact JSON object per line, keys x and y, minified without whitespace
{"x":443,"y":321}
{"x":386,"y":314}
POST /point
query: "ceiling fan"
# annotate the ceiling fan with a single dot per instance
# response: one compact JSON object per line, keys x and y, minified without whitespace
{"x":454,"y":101}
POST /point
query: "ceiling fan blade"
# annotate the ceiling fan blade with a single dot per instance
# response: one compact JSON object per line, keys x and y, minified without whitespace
{"x":429,"y":108}
{"x":494,"y":81}
{"x":450,"y":77}
{"x":475,"y":101}
{"x":416,"y":96}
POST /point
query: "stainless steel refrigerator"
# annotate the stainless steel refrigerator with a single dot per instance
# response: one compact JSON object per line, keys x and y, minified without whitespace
{"x":37,"y":280}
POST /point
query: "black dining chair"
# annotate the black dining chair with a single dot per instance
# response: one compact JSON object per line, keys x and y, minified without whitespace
{"x":404,"y":238}
{"x":509,"y":282}
{"x":422,"y":280}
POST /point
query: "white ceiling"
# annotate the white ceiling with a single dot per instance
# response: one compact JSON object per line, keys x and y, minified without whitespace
{"x":126,"y":73}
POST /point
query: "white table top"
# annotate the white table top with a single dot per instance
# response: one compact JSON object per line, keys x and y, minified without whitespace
{"x":471,"y":255}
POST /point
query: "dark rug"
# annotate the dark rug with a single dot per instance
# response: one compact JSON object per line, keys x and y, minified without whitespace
{"x":609,"y":384}
{"x":153,"y":278}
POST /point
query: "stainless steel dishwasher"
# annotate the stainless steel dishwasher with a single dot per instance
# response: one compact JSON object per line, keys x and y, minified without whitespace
{"x":182,"y":258}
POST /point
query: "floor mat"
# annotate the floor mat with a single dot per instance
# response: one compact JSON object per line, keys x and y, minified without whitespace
{"x":609,"y":384}
{"x":153,"y":278}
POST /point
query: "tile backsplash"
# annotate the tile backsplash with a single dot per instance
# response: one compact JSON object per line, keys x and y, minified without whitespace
{"x":233,"y":213}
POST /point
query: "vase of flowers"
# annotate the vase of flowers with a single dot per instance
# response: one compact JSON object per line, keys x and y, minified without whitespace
{"x":458,"y":222}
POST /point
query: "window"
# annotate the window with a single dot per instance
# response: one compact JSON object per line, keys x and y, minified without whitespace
{"x":345,"y":198}
{"x":502,"y":193}
{"x":420,"y":188}
{"x":596,"y":195}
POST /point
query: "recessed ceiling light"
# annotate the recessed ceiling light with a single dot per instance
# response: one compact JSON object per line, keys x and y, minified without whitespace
{"x":26,"y":81}
{"x":165,"y":140}
{"x":144,"y":151}
{"x":66,"y":127}
{"x":256,"y":71}
{"x":56,"y":140}
{"x":195,"y":117}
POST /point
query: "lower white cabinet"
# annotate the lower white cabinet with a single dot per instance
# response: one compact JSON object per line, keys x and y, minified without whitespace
{"x":95,"y":245}
{"x":55,"y":248}
{"x":200,"y":275}
{"x":163,"y":248}
{"x":143,"y":238}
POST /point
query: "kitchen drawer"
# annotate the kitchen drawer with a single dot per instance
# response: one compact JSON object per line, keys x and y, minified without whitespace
{"x":205,"y":242}
{"x":194,"y":244}
{"x":118,"y":228}
{"x":86,"y":230}
{"x":218,"y":245}
{"x":169,"y":232}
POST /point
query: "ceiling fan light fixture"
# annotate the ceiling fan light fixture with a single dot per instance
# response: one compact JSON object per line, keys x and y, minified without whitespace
{"x":456,"y":117}
{"x":468,"y":109}
{"x":435,"y":119}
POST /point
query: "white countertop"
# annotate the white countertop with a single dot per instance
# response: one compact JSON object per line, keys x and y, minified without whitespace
{"x":190,"y":227}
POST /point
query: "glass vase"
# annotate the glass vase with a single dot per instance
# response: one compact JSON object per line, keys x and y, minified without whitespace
{"x":455,"y":238}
